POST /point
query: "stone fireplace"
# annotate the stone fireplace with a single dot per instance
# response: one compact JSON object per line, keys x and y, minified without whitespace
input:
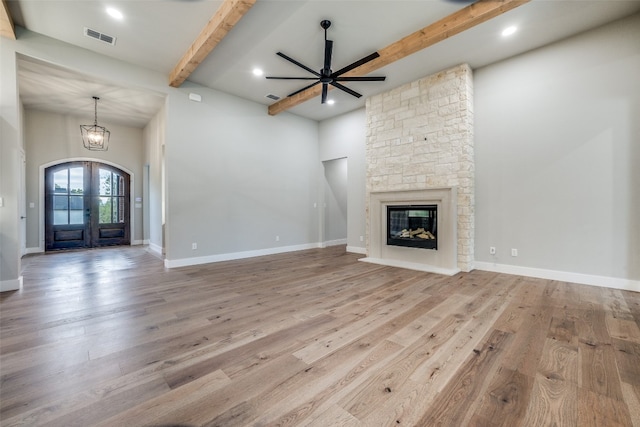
{"x":420,"y":152}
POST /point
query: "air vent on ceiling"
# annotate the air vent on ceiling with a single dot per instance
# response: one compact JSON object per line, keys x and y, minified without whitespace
{"x":272,"y":96}
{"x":99,"y":36}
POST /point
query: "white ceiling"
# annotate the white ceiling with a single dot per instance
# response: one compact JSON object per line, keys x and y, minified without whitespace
{"x":155,"y":34}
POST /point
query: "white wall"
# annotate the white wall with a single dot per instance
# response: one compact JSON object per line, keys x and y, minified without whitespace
{"x":237,"y":177}
{"x":557,"y":136}
{"x":344,"y":136}
{"x":55,"y":138}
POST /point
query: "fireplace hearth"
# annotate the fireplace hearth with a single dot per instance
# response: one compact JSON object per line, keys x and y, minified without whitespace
{"x":413,"y":226}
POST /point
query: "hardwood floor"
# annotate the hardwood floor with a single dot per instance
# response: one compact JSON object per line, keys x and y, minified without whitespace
{"x":109,"y":337}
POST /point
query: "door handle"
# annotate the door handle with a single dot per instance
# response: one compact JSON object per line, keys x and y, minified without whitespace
{"x":22,"y":217}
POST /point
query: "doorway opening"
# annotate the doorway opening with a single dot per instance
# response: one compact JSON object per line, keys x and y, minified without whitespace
{"x":335,"y":202}
{"x":86,"y":206}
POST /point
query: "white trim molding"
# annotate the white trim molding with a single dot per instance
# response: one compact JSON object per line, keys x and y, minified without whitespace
{"x":357,"y":250}
{"x":184,"y":262}
{"x":337,"y":242}
{"x":564,"y":276}
{"x":11,"y":285}
{"x":157,"y":249}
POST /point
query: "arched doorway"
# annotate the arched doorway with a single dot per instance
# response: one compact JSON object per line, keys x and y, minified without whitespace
{"x":86,"y":205}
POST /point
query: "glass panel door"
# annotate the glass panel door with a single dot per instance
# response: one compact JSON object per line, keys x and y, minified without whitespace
{"x":86,"y":205}
{"x":67,"y":207}
{"x":111,"y":223}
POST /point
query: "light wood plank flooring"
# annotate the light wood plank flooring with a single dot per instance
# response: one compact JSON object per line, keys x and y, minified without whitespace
{"x":109,"y":337}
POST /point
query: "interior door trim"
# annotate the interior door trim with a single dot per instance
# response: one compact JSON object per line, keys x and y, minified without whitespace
{"x":41,"y":210}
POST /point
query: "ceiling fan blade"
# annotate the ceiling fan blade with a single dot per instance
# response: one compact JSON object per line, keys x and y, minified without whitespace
{"x":328,"y":50}
{"x":298,"y":64}
{"x":346,"y":89}
{"x":324,"y":93}
{"x":292,"y":78}
{"x":304,"y":88}
{"x":356,"y":64}
{"x":360,"y":79}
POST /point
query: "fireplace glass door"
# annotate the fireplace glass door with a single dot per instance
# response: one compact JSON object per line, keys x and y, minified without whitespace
{"x":413,"y":226}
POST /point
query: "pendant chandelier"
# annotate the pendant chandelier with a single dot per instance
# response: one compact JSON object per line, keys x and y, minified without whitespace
{"x":94,"y":137}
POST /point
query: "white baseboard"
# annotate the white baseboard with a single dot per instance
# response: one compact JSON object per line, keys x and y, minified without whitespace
{"x":33,"y":251}
{"x":333,"y":243}
{"x":155,"y":248}
{"x":184,"y":262}
{"x":411,"y":266}
{"x":11,"y":285}
{"x":137,"y":242}
{"x":357,"y":250}
{"x":145,"y":242}
{"x":563,"y":276}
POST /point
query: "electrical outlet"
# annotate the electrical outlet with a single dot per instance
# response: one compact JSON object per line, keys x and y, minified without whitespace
{"x":514,"y":252}
{"x":277,"y":238}
{"x":362,"y":238}
{"x":492,"y":250}
{"x":194,"y":246}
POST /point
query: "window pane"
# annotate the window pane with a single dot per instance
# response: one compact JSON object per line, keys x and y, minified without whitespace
{"x":105,"y":210}
{"x":118,"y":210}
{"x":61,"y":181}
{"x":121,"y":209}
{"x":76,"y":202}
{"x":76,"y":209}
{"x":106,"y":182}
{"x":60,"y":203}
{"x":76,"y":216}
{"x":76,"y":180}
{"x":60,"y":217}
{"x":117,"y":185}
{"x":115,"y":211}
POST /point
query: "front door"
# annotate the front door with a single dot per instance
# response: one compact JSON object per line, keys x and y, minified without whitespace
{"x":86,"y":205}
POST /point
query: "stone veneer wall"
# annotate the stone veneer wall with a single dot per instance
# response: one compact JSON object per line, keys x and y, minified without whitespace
{"x":420,"y":136}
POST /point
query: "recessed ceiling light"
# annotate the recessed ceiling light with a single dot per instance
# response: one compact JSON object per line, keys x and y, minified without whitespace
{"x":257,"y":72}
{"x":330,"y":101}
{"x":509,"y":30}
{"x":114,"y":13}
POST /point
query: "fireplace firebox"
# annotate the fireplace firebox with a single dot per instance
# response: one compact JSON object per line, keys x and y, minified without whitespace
{"x":413,"y":226}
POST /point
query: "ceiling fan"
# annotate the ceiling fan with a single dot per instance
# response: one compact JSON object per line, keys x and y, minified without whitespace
{"x":326,"y":76}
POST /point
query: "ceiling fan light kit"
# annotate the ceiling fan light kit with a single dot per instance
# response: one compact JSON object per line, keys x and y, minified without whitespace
{"x":326,"y":76}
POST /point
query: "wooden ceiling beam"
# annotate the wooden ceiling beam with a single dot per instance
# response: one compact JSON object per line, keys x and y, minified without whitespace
{"x":6,"y":23}
{"x":225,"y":18}
{"x":465,"y":18}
